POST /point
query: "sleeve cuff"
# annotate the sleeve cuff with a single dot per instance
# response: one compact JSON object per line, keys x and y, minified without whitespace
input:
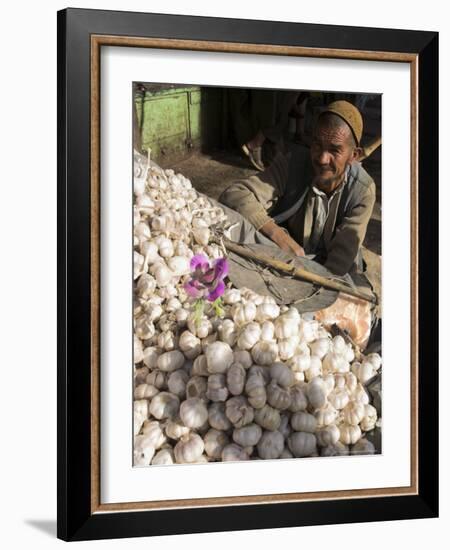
{"x":258,"y":217}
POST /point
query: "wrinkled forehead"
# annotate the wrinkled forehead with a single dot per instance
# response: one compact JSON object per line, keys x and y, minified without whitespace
{"x":325,"y":131}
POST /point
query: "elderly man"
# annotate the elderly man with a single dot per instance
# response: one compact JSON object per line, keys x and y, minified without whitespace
{"x":315,"y":202}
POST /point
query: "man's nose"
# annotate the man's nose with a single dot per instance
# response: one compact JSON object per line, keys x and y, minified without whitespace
{"x":324,"y":158}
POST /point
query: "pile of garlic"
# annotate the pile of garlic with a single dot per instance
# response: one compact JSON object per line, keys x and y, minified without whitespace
{"x":261,"y":382}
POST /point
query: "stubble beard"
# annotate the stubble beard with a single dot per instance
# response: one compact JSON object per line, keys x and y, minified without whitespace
{"x":326,"y":184}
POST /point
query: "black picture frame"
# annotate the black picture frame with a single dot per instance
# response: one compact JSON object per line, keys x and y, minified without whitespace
{"x":76,"y":518}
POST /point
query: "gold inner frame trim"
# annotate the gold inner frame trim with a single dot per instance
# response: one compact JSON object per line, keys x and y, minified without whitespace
{"x":97,"y":41}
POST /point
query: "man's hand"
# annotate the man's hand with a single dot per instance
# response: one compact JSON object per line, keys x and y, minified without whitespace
{"x":280,"y":237}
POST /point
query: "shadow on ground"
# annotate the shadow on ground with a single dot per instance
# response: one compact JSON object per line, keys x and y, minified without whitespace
{"x":47,"y":526}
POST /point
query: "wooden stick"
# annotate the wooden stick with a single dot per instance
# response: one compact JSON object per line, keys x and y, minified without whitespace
{"x":370,"y":148}
{"x":297,"y":271}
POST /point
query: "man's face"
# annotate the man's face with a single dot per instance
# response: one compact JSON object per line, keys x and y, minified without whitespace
{"x":331,"y":151}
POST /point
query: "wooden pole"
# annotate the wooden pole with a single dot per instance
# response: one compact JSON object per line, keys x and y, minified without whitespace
{"x":296,"y":271}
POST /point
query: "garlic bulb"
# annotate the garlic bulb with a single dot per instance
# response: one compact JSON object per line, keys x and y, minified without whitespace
{"x":249,"y":335}
{"x":217,"y":418}
{"x":255,"y":389}
{"x":196,"y":387}
{"x":138,"y":263}
{"x":233,"y":453}
{"x":369,"y":418}
{"x":140,"y":375}
{"x":300,"y":362}
{"x":179,"y":265}
{"x":282,"y":375}
{"x":236,"y":379}
{"x":259,"y":370}
{"x":326,"y":415}
{"x":243,"y":313}
{"x":150,"y":357}
{"x":215,"y":441}
{"x":349,"y":434}
{"x":189,"y":344}
{"x":335,"y":363}
{"x":143,"y":451}
{"x":264,"y":353}
{"x":364,"y":371}
{"x":227,"y":332}
{"x":287,"y":347}
{"x":351,"y":382}
{"x":145,"y":391}
{"x":353,"y":413}
{"x":271,"y":445}
{"x":316,"y":393}
{"x":302,"y":444}
{"x":247,"y":436}
{"x":177,"y":382}
{"x":268,"y":418}
{"x":208,"y":340}
{"x":336,"y":449}
{"x":303,"y":422}
{"x":329,"y":435}
{"x":299,"y":401}
{"x":277,"y":396}
{"x":314,"y":369}
{"x":173,"y":304}
{"x":167,"y":340}
{"x":267,"y":331}
{"x":170,"y":361}
{"x":308,"y":331}
{"x":339,"y":398}
{"x":231,"y":296}
{"x":201,"y":235}
{"x":219,"y":357}
{"x":152,"y":429}
{"x":199,"y":327}
{"x":285,"y":424}
{"x":158,"y":379}
{"x":320,"y":347}
{"x":144,"y":328}
{"x":189,"y":448}
{"x":163,"y":275}
{"x":200,"y":366}
{"x":193,"y":412}
{"x":285,"y":327}
{"x":164,"y":457}
{"x":164,"y":405}
{"x":363,"y":447}
{"x":243,"y":358}
{"x":359,"y":394}
{"x":267,"y":312}
{"x":140,"y":414}
{"x":175,"y":428}
{"x":217,"y":387}
{"x":239,"y":411}
{"x":138,"y":351}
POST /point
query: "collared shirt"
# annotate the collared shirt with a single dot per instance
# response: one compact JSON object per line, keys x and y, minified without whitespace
{"x":324,"y":206}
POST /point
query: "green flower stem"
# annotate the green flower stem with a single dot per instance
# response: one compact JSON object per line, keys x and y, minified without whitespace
{"x":217,"y":305}
{"x":199,"y":307}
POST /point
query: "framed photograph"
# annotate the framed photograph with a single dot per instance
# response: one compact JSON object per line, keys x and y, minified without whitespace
{"x":247,"y":285}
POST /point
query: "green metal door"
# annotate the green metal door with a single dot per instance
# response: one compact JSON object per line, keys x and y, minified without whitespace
{"x":174,"y":121}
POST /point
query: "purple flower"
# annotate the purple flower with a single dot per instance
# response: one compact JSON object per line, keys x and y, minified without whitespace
{"x":206,"y":278}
